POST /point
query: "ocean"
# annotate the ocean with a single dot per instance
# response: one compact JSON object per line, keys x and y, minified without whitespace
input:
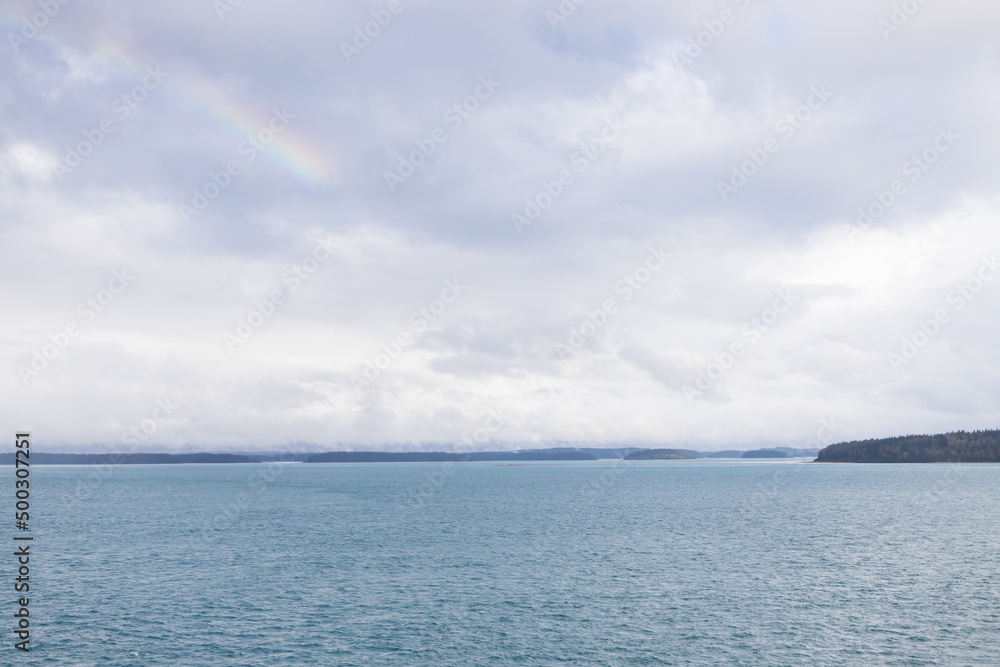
{"x":585,"y":563}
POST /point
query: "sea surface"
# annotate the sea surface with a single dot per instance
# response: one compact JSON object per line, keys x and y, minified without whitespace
{"x":570,"y":563}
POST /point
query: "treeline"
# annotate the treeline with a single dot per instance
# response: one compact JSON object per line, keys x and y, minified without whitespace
{"x":765,"y":454}
{"x":412,"y":457}
{"x":961,"y":446}
{"x":660,"y":455}
{"x":42,"y":458}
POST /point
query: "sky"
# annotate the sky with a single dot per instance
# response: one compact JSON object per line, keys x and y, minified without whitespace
{"x":240,"y":226}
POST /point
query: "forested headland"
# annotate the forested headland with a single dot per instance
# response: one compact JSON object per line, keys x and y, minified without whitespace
{"x":961,"y":446}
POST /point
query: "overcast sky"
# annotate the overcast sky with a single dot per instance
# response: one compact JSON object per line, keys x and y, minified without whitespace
{"x":613,"y":222}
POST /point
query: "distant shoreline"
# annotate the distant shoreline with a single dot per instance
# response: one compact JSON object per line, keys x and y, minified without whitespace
{"x":956,"y":447}
{"x":551,"y":454}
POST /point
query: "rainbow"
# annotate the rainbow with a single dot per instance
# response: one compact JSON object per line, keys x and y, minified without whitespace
{"x":290,"y":151}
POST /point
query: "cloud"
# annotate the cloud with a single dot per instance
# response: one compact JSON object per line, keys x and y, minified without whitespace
{"x":685,"y":125}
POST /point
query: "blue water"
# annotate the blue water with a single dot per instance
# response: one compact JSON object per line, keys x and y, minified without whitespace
{"x":651,"y":563}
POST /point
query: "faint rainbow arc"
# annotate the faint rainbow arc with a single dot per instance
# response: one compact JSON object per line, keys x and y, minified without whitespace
{"x":288,"y":150}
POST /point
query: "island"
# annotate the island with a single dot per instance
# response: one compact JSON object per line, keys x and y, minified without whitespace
{"x":957,"y":447}
{"x":659,"y":455}
{"x":724,"y":454}
{"x":42,"y":458}
{"x":765,"y":454}
{"x":558,"y":454}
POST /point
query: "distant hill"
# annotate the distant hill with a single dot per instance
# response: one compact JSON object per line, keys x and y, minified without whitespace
{"x":659,"y":455}
{"x":597,"y":452}
{"x":765,"y":454}
{"x":382,"y":457}
{"x":403,"y":457}
{"x":961,"y":446}
{"x":792,"y":451}
{"x":726,"y":454}
{"x":42,"y":458}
